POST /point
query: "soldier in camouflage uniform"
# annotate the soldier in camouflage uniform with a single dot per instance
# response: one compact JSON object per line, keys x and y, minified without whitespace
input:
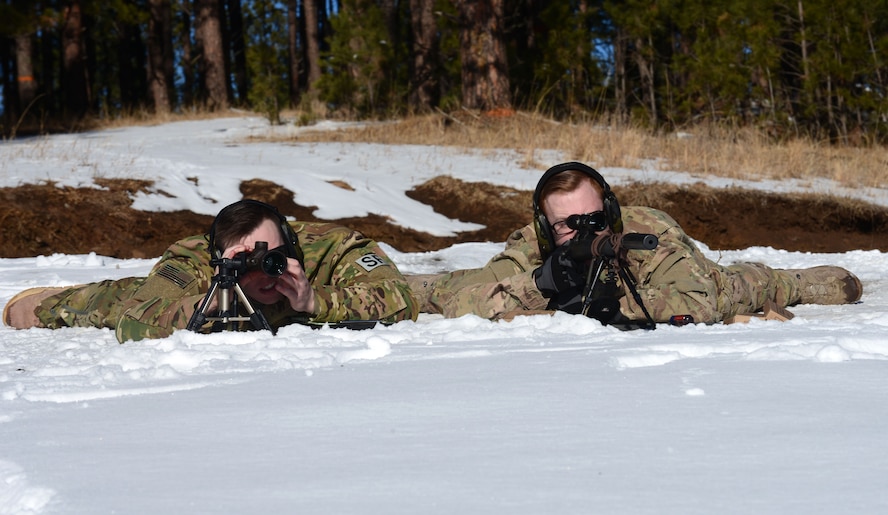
{"x":535,"y":271}
{"x":333,"y":274}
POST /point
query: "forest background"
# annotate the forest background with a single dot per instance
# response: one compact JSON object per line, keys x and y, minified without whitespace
{"x":803,"y":68}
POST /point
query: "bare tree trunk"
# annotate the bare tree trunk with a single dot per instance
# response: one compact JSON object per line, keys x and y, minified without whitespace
{"x":312,"y":42}
{"x":75,"y":84}
{"x":389,"y":10}
{"x":209,"y":36}
{"x":187,"y":60}
{"x":292,"y":39}
{"x":24,"y":64}
{"x":803,"y":43}
{"x":168,"y":56}
{"x":646,"y":73}
{"x":485,"y":74}
{"x":620,"y":97}
{"x":158,"y":24}
{"x":238,"y":49}
{"x":131,"y":76}
{"x":425,"y":83}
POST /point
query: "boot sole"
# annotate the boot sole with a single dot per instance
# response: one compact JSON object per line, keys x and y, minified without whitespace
{"x":30,"y":292}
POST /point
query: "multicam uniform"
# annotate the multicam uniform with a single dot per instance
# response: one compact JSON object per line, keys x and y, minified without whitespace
{"x":351,"y":276}
{"x":673,"y":279}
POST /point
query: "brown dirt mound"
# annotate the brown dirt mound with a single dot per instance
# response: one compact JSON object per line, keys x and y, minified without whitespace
{"x":45,"y":219}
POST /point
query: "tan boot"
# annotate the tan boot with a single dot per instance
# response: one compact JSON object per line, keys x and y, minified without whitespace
{"x":19,"y":311}
{"x":771,"y":311}
{"x":825,"y":285}
{"x":422,"y":286}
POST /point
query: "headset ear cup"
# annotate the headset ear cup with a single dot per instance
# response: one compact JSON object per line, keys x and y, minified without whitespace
{"x":544,"y":235}
{"x":612,"y":212}
{"x":294,"y":250}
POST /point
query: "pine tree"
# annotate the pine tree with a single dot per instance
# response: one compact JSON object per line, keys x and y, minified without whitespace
{"x":358,"y":56}
{"x":266,"y":28}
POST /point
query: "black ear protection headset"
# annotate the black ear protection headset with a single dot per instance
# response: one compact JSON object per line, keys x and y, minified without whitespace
{"x":291,"y":242}
{"x":544,"y":232}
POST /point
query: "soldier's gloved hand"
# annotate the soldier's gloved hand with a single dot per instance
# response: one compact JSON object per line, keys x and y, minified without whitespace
{"x":559,"y":273}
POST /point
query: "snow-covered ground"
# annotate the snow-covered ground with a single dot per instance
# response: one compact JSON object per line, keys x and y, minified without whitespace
{"x":538,"y":415}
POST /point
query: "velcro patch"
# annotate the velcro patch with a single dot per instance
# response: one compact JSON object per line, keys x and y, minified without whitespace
{"x":370,"y":261}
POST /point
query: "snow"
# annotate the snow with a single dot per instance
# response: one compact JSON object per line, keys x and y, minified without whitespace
{"x":537,"y":415}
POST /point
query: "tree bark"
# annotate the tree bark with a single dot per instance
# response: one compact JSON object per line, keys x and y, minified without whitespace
{"x":208,"y":34}
{"x":238,"y":49}
{"x":131,"y":65}
{"x":75,"y":84}
{"x":485,"y":74}
{"x":185,"y":17}
{"x":24,"y":64}
{"x":646,"y":75}
{"x":389,"y":10}
{"x":620,"y":97}
{"x":293,"y":47}
{"x":158,"y":29}
{"x":312,"y":42}
{"x":423,"y":95}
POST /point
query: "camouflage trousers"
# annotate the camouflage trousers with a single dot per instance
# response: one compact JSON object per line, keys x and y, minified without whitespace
{"x":93,"y":305}
{"x":709,"y":292}
{"x":713,"y":293}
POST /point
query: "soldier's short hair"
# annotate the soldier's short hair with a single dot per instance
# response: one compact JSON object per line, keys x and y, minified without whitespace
{"x":236,"y":221}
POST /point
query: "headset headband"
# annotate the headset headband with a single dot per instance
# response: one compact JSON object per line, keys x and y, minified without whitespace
{"x":291,"y":241}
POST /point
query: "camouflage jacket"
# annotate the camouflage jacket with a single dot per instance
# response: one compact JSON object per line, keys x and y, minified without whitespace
{"x":673,"y":279}
{"x":352,"y":277}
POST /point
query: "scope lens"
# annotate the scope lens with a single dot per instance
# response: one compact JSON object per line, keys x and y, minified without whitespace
{"x":274,"y":264}
{"x":595,"y":221}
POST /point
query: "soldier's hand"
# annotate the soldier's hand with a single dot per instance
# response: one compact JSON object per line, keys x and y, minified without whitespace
{"x":295,"y":286}
{"x":559,"y":273}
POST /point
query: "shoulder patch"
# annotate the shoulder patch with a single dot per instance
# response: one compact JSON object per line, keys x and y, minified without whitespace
{"x":370,"y":261}
{"x":169,"y":272}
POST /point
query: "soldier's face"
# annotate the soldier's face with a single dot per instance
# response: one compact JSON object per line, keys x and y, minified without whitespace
{"x":256,"y":284}
{"x":559,"y":206}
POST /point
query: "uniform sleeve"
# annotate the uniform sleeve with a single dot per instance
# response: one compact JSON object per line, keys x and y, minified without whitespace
{"x":503,"y":285}
{"x":358,"y":281}
{"x":170,"y":294}
{"x":673,"y":279}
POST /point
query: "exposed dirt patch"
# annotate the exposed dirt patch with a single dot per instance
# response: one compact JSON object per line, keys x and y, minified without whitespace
{"x":45,"y":219}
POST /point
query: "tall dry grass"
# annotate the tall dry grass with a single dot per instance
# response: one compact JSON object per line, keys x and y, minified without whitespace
{"x":732,"y":153}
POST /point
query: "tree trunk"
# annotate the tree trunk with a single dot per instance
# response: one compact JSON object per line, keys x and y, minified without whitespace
{"x":11,"y":109}
{"x":485,"y":74}
{"x":423,"y":95}
{"x":131,"y":76}
{"x":75,"y":84}
{"x":208,"y":34}
{"x":312,"y":42}
{"x":389,"y":10}
{"x":293,"y":47}
{"x":24,"y":64}
{"x":188,"y":58}
{"x":646,"y":74}
{"x":158,"y":29}
{"x":238,"y":49}
{"x":620,"y":98}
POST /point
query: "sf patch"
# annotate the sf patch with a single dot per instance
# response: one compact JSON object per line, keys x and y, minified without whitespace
{"x":370,"y":261}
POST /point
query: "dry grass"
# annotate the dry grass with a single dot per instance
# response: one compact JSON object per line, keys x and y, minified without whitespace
{"x":742,"y":154}
{"x":145,"y":117}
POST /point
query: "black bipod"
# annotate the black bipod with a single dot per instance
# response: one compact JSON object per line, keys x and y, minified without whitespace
{"x":600,"y":297}
{"x":223,"y":284}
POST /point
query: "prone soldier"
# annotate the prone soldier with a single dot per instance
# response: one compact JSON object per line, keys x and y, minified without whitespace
{"x":539,"y":270}
{"x":332,"y":274}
